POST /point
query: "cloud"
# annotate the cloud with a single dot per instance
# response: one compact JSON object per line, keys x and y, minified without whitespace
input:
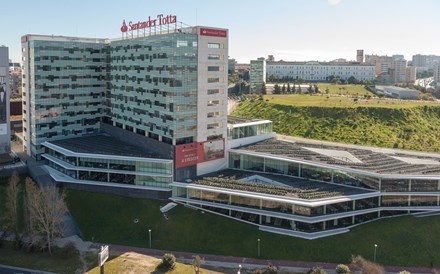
{"x":334,"y":2}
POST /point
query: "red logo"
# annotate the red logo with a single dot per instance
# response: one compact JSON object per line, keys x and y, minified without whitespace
{"x":124,"y":27}
{"x":213,"y":32}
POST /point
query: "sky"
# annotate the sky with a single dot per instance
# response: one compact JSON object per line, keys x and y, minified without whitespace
{"x":291,"y":30}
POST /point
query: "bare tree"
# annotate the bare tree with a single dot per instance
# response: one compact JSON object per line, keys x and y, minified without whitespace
{"x":364,"y":266}
{"x":11,"y":206}
{"x":197,"y":263}
{"x":46,"y":209}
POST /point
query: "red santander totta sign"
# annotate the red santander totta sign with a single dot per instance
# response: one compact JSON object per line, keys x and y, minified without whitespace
{"x":160,"y":20}
{"x":213,"y":32}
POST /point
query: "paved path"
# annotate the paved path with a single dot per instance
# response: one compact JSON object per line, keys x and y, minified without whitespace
{"x":251,"y":263}
{"x":5,"y":269}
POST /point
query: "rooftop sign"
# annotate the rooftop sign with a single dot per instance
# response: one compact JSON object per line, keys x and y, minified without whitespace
{"x":159,"y":21}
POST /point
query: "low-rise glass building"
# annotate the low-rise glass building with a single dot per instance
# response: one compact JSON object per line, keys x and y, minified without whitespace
{"x":313,"y":189}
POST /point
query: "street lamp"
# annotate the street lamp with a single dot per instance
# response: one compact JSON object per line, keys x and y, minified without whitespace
{"x":258,"y":240}
{"x":239,"y":269}
{"x":149,"y":236}
{"x":375,"y":249}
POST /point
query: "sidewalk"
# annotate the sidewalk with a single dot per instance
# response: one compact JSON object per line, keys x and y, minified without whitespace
{"x":251,"y":263}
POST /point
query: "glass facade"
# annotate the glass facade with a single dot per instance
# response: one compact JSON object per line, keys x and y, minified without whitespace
{"x":66,"y":91}
{"x":281,"y":214}
{"x":244,"y":131}
{"x":141,"y":172}
{"x":154,"y":85}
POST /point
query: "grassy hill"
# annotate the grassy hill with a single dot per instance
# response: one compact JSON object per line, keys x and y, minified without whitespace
{"x":378,"y":122}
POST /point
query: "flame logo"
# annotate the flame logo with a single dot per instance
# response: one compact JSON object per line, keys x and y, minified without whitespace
{"x":124,"y":27}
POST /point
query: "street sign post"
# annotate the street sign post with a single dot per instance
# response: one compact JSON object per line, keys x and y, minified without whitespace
{"x":102,"y":257}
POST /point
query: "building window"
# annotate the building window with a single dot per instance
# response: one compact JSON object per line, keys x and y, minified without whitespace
{"x":213,"y":114}
{"x":213,"y":102}
{"x":213,"y":91}
{"x":214,"y":125}
{"x":182,"y":43}
{"x":214,"y":57}
{"x":214,"y":80}
{"x":215,"y":46}
{"x":213,"y":68}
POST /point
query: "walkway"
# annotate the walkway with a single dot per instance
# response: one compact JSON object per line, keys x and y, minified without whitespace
{"x":251,"y":263}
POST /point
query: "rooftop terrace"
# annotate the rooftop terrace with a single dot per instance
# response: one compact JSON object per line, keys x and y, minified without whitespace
{"x":287,"y":186}
{"x":383,"y":161}
{"x":105,"y":145}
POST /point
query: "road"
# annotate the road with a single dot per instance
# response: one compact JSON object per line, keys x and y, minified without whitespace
{"x":5,"y":269}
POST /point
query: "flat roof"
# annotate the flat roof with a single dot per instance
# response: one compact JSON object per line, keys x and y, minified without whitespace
{"x":104,"y":145}
{"x":239,"y":120}
{"x":281,"y":185}
{"x":370,"y":159}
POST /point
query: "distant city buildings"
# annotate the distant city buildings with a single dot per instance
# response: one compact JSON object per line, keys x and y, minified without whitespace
{"x":5,"y":144}
{"x":437,"y":72}
{"x":257,"y":74}
{"x":419,"y":60}
{"x":319,"y":71}
{"x":392,"y":69}
{"x":360,"y":55}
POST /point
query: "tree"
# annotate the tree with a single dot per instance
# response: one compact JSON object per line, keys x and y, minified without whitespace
{"x":327,"y":90}
{"x":316,"y":270}
{"x":300,"y":80}
{"x":168,"y":261}
{"x":294,"y":89}
{"x":366,"y":267}
{"x":11,"y":206}
{"x":283,"y":89}
{"x":288,"y":88}
{"x":46,"y":210}
{"x":263,"y":89}
{"x":276,"y":89}
{"x":352,"y":80}
{"x":316,"y":88}
{"x":310,"y":89}
{"x":342,"y":269}
{"x":197,"y":263}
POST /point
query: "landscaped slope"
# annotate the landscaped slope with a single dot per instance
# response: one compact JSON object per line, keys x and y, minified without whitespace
{"x":411,"y":127}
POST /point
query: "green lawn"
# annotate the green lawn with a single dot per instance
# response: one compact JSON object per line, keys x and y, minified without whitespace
{"x":321,"y":100}
{"x":405,"y":241}
{"x":345,"y":89}
{"x":40,"y":261}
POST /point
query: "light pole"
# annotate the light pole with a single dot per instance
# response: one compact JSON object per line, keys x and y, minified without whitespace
{"x":375,"y":248}
{"x":149,"y":236}
{"x":258,"y":240}
{"x":239,"y":269}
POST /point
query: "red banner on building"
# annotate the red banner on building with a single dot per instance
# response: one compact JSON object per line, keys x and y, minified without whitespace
{"x":195,"y":153}
{"x":213,"y":32}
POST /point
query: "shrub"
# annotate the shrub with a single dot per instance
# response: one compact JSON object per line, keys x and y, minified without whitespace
{"x":316,"y":270}
{"x":168,"y":261}
{"x":271,"y":269}
{"x":404,"y":272}
{"x":366,"y":267}
{"x":68,"y":250}
{"x":342,"y":269}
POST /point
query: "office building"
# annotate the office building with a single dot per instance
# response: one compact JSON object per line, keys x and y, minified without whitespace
{"x":165,"y":87}
{"x":257,"y":74}
{"x":5,"y":144}
{"x":312,"y":189}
